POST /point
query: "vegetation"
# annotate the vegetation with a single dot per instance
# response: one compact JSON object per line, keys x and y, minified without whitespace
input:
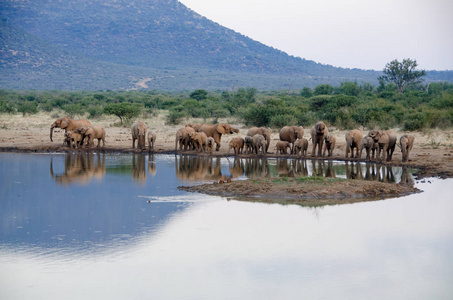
{"x":347,"y":106}
{"x":402,"y":74}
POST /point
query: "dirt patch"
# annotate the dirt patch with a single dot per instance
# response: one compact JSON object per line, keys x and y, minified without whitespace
{"x":305,"y":190}
{"x":432,"y":155}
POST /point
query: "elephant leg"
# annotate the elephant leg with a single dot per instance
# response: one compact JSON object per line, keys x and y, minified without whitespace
{"x":321,"y":143}
{"x":133,"y":142}
{"x":313,"y":153}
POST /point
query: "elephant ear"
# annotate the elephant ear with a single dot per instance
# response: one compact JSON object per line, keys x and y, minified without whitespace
{"x":221,"y":128}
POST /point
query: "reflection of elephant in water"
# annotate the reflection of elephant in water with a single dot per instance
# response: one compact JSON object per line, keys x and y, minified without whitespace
{"x":198,"y":168}
{"x":284,"y":168}
{"x":318,"y":132}
{"x":256,"y":168}
{"x":215,"y":131}
{"x":67,"y":124}
{"x":406,"y":144}
{"x":386,"y":141}
{"x":237,"y":168}
{"x":80,"y":168}
{"x":354,"y":171}
{"x":266,"y":132}
{"x":379,"y":173}
{"x":152,"y":170}
{"x":138,"y":168}
{"x":291,"y":134}
{"x":300,"y":167}
{"x":353,"y":139}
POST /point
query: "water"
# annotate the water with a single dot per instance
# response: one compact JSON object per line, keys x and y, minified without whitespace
{"x":116,"y":227}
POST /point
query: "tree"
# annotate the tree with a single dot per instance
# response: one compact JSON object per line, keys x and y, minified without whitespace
{"x":123,"y":110}
{"x":199,"y":94}
{"x":402,"y":74}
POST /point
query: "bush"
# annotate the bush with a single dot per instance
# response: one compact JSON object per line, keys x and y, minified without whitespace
{"x":175,"y":116}
{"x":280,"y":121}
{"x":28,"y":107}
{"x":125,"y":111}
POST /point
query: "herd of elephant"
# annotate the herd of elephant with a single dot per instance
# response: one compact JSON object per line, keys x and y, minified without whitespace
{"x":257,"y":141}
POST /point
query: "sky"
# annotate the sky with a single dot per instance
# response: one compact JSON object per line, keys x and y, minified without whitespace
{"x":364,"y":34}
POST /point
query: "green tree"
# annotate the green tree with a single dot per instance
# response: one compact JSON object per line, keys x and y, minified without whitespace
{"x":199,"y":95}
{"x":402,"y":74}
{"x":306,"y":92}
{"x":125,"y":111}
{"x":324,"y":89}
{"x":28,"y":107}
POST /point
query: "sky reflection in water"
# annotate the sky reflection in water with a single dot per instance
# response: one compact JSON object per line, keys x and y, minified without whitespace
{"x":81,"y":227}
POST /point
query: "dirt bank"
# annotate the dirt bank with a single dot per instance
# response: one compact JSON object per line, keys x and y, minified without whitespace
{"x":432,"y":153}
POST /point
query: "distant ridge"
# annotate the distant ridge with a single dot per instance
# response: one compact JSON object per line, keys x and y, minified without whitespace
{"x":118,"y":44}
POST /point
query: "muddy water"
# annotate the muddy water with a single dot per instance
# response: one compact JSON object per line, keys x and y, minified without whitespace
{"x":116,"y":227}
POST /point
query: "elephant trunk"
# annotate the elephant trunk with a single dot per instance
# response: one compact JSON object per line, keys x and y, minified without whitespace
{"x":51,"y":131}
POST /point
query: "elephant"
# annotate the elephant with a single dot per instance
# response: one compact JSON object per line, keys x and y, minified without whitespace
{"x":74,"y":139}
{"x":406,"y":144}
{"x":248,"y":141}
{"x":266,"y":132}
{"x":282,"y":147}
{"x":138,"y":130}
{"x":199,"y":140}
{"x":300,"y":147}
{"x":291,"y":134}
{"x":209,"y":144}
{"x":259,"y":142}
{"x":237,"y":144}
{"x":353,"y":139}
{"x":368,"y":144}
{"x":67,"y":124}
{"x":92,"y":132}
{"x":183,"y":138}
{"x":329,"y":145}
{"x":215,"y":131}
{"x":151,"y":140}
{"x":386,"y":141}
{"x":318,"y":132}
{"x":195,"y":126}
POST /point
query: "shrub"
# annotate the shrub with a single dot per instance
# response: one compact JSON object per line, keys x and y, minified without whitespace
{"x":28,"y":107}
{"x":175,"y":116}
{"x":279,"y":121}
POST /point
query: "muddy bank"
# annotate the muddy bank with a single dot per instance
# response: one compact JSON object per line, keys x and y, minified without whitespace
{"x":304,"y":190}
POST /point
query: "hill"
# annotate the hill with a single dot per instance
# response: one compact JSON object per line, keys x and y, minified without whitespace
{"x":156,"y":44}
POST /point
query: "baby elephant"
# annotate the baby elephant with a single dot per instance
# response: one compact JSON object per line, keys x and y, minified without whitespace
{"x":237,"y":144}
{"x":151,"y":140}
{"x":300,"y":147}
{"x":73,"y":139}
{"x":368,"y":144}
{"x":248,"y":140}
{"x":329,"y":145}
{"x":93,"y":132}
{"x":406,"y":144}
{"x":209,"y":144}
{"x":259,"y":144}
{"x":282,"y":147}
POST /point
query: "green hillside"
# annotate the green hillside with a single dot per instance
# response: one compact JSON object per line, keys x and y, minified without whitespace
{"x":146,"y":44}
